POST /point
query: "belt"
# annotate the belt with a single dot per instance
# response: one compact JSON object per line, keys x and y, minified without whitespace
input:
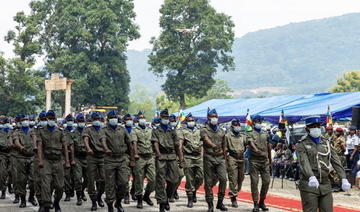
{"x":164,"y":151}
{"x":118,"y":155}
{"x":146,"y":155}
{"x":192,"y":153}
{"x":80,"y":154}
{"x":236,"y":156}
{"x":215,"y":154}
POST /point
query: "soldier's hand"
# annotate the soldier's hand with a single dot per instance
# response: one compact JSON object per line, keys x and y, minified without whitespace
{"x":181,"y":164}
{"x":90,"y":152}
{"x":67,"y":165}
{"x":41,"y":164}
{"x":72,"y":163}
{"x":132,"y":163}
{"x":160,"y":157}
{"x":216,"y":147}
{"x":136,"y":157}
{"x":23,"y":150}
{"x":108,"y":152}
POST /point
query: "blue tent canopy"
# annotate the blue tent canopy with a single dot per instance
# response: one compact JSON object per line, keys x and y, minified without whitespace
{"x":295,"y":107}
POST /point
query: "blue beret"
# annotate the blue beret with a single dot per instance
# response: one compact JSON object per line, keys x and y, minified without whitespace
{"x":188,"y":116}
{"x":235,"y":121}
{"x":136,"y":118}
{"x":164,"y":112}
{"x":31,"y":116}
{"x":80,"y":116}
{"x":111,"y":113}
{"x":69,"y":117}
{"x":127,"y":116}
{"x":352,"y":127}
{"x":140,"y":113}
{"x":42,"y":114}
{"x":19,"y":117}
{"x":172,"y":116}
{"x":257,"y":118}
{"x":50,"y":113}
{"x":95,"y":115}
{"x":312,"y":120}
{"x":212,"y":111}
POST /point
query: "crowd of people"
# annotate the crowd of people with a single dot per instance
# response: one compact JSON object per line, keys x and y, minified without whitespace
{"x":99,"y":155}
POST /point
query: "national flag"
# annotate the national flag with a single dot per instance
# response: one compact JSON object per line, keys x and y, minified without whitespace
{"x":157,"y":113}
{"x":180,"y":118}
{"x":329,"y":120}
{"x":248,"y":122}
{"x":283,"y":120}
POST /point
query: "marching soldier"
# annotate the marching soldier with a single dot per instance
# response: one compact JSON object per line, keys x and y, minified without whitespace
{"x":192,"y":147}
{"x":260,"y":161}
{"x":236,"y":143}
{"x":145,"y":162}
{"x":117,"y":147}
{"x":317,"y":158}
{"x":166,"y":145}
{"x":69,"y":136}
{"x":51,"y":146}
{"x":24,"y":141}
{"x":214,"y":160}
{"x":12,"y":161}
{"x":80,"y":176}
{"x":5,"y":146}
{"x":93,"y":137}
{"x":129,"y":124}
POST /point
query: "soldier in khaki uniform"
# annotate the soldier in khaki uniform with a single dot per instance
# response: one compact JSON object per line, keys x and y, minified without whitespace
{"x":25,"y":142}
{"x":145,"y":162}
{"x":236,"y":142}
{"x":166,"y":145}
{"x":12,"y":162}
{"x":260,"y":160}
{"x":214,"y":160}
{"x":317,"y":158}
{"x":51,"y":147}
{"x":80,"y":176}
{"x":69,"y":136}
{"x":5,"y":146}
{"x":338,"y":144}
{"x":117,"y":147}
{"x":129,"y":125}
{"x":93,"y":137}
{"x":192,"y":147}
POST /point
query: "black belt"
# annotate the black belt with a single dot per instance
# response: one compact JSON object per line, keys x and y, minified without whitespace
{"x":192,"y":153}
{"x":215,"y":154}
{"x":165,"y":151}
{"x":81,"y":154}
{"x":146,"y":155}
{"x":236,"y":156}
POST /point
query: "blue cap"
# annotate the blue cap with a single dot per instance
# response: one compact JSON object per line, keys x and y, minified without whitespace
{"x":69,"y":118}
{"x":31,"y":116}
{"x":235,"y":121}
{"x":19,"y":117}
{"x":111,"y":113}
{"x":172,"y":116}
{"x":352,"y":127}
{"x":95,"y":115}
{"x":312,"y":120}
{"x":127,"y":116}
{"x":257,"y":118}
{"x":42,"y":114}
{"x":50,"y":113}
{"x":188,"y":116}
{"x":136,"y":118}
{"x":80,"y":116}
{"x":164,"y":112}
{"x":211,"y":112}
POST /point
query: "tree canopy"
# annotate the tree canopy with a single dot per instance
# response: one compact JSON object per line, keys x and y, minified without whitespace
{"x":348,"y":83}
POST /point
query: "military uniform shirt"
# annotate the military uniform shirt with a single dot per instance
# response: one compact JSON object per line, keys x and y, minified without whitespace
{"x":95,"y":137}
{"x":236,"y":144}
{"x":167,"y":140}
{"x":216,"y":137}
{"x":192,"y":142}
{"x":143,"y":139}
{"x":26,"y":141}
{"x":117,"y":139}
{"x":52,"y":142}
{"x":79,"y":146}
{"x":5,"y":143}
{"x":261,"y":141}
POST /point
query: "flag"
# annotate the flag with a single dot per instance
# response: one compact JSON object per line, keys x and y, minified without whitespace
{"x":283,"y":120}
{"x":329,"y":120}
{"x":157,"y":113}
{"x":180,"y":118}
{"x":248,"y":122}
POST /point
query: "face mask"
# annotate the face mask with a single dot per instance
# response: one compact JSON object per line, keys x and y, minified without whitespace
{"x":81,"y":124}
{"x":75,"y":125}
{"x":65,"y":125}
{"x":43,"y":123}
{"x":102,"y":124}
{"x":70,"y":123}
{"x":18,"y":124}
{"x":113,"y":121}
{"x":96,"y":123}
{"x":156,"y":125}
{"x":129,"y":123}
{"x":51,"y":123}
{"x":164,"y":121}
{"x":258,"y":126}
{"x":142,"y":122}
{"x":173,"y":124}
{"x":136,"y":124}
{"x":25,"y":123}
{"x":9,"y":126}
{"x":214,"y":121}
{"x":237,"y":128}
{"x":191,"y":124}
{"x":2,"y":126}
{"x":32,"y":123}
{"x":315,"y":132}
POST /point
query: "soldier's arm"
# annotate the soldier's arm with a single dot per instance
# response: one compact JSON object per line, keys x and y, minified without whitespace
{"x":34,"y":138}
{"x":87,"y":146}
{"x":336,"y":164}
{"x":40,"y":152}
{"x":134,"y":141}
{"x":66,"y":151}
{"x":72,"y":153}
{"x":155,"y":142}
{"x":178,"y":150}
{"x":224,"y":146}
{"x":304,"y":162}
{"x":105,"y":146}
{"x":17,"y":143}
{"x":251,"y":144}
{"x":269,"y":153}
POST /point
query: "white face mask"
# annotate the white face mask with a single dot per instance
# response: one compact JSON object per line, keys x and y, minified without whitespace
{"x":173,"y":124}
{"x":142,"y":122}
{"x":237,"y":128}
{"x":258,"y":126}
{"x":113,"y":121}
{"x":129,"y":123}
{"x":315,"y":132}
{"x":70,"y":123}
{"x":214,"y":121}
{"x":51,"y":123}
{"x":65,"y":125}
{"x":191,"y":124}
{"x":96,"y":123}
{"x":32,"y":123}
{"x":75,"y":125}
{"x":164,"y":121}
{"x":43,"y":123}
{"x":18,"y":124}
{"x":9,"y":126}
{"x":81,"y":124}
{"x":2,"y":126}
{"x":25,"y":123}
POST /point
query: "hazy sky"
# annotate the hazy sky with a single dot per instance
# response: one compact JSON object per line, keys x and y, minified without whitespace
{"x":248,"y":15}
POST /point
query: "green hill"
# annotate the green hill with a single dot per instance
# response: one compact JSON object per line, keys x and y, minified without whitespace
{"x":297,"y":58}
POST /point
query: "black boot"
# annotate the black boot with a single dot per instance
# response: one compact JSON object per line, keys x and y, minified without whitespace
{"x":67,"y":198}
{"x":190,"y":203}
{"x":167,"y":206}
{"x":17,"y":199}
{"x":256,"y":207}
{"x":194,"y":197}
{"x":110,"y":207}
{"x":3,"y":194}
{"x":79,"y":198}
{"x":139,"y":199}
{"x":93,"y":205}
{"x":100,"y":201}
{"x":32,"y":199}
{"x":41,"y":208}
{"x":147,"y":199}
{"x":263,"y":206}
{"x":220,"y":205}
{"x":22,"y":201}
{"x":132,"y":193}
{"x":210,"y":206}
{"x":234,"y":202}
{"x":162,"y":207}
{"x":47,"y":209}
{"x":119,"y":206}
{"x":127,"y":198}
{"x":57,"y":206}
{"x":176,"y":195}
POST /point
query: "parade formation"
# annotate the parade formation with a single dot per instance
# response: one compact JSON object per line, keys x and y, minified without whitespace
{"x":107,"y":159}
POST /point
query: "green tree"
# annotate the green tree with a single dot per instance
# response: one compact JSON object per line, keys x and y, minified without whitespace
{"x":86,"y":41}
{"x":194,"y":43}
{"x":348,"y":83}
{"x":141,"y":101}
{"x":21,"y":90}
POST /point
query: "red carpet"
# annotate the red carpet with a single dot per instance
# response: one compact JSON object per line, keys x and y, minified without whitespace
{"x":273,"y":201}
